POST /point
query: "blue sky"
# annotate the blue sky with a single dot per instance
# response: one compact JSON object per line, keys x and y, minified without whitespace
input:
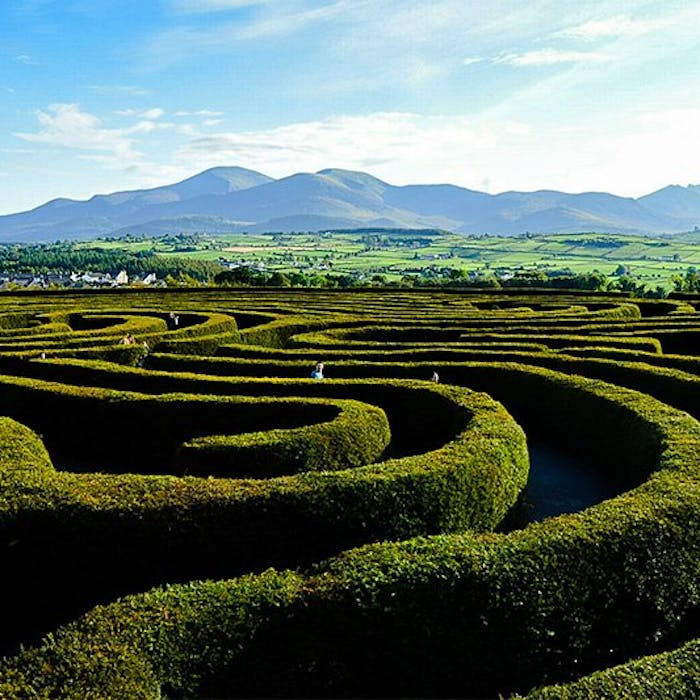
{"x":105,"y":95}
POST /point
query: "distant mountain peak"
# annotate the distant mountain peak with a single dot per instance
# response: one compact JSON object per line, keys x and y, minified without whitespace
{"x":244,"y":199}
{"x":220,"y":180}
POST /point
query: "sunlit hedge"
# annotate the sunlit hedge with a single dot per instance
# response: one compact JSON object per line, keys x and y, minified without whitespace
{"x":449,"y":615}
{"x":189,"y":465}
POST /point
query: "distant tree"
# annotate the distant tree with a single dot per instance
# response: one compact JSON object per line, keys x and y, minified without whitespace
{"x":690,"y":282}
{"x":279,"y":279}
{"x":238,"y":276}
{"x":629,"y":284}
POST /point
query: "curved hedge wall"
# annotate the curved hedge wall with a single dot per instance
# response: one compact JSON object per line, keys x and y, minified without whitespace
{"x":384,"y":501}
{"x":173,"y":529}
{"x":395,"y":618}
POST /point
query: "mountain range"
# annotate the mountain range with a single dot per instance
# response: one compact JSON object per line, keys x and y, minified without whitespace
{"x":228,"y":199}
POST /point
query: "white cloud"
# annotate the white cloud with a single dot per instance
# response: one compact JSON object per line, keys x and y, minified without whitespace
{"x":67,"y":126}
{"x":612,"y":27}
{"x":471,"y":60}
{"x":24,"y":58}
{"x":154,"y":113}
{"x":199,"y":113}
{"x":552,"y":57}
{"x":402,"y":146}
{"x":150,"y":114}
{"x":636,"y":157}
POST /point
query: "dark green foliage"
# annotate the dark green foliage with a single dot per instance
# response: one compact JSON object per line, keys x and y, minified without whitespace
{"x":359,"y":435}
{"x":185,"y":528}
{"x":672,"y":675}
{"x":457,"y":614}
{"x":430,"y":602}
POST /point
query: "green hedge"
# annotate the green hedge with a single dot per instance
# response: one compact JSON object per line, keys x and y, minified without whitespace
{"x":456,"y":615}
{"x":453,"y":615}
{"x":16,"y":320}
{"x":674,"y":675}
{"x":681,"y":362}
{"x":674,"y":386}
{"x":321,"y":340}
{"x":140,"y":327}
{"x":78,"y":529}
{"x":125,"y":431}
{"x":39,"y":330}
{"x":276,"y":333}
{"x":201,"y":334}
{"x":357,"y":436}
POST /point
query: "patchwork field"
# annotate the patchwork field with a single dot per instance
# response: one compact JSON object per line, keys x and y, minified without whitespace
{"x":395,"y":253}
{"x":185,"y":512}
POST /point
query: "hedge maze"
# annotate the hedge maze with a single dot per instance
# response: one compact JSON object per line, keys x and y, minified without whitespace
{"x":184,"y":512}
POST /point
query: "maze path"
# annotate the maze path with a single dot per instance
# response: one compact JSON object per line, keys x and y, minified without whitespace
{"x":465,"y":612}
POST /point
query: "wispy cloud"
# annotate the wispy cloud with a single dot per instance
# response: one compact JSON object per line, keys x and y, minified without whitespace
{"x":180,"y":42}
{"x":22,"y":151}
{"x":151,"y":114}
{"x":25,"y":58}
{"x":551,"y":57}
{"x":398,"y":140}
{"x":119,"y":90}
{"x":201,"y":6}
{"x":67,"y":126}
{"x":199,"y":113}
{"x":476,"y":152}
{"x":613,"y":27}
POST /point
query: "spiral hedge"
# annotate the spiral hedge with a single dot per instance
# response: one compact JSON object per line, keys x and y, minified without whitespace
{"x":184,"y":512}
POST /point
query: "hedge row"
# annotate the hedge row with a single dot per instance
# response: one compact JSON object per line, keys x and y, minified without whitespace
{"x":118,"y":327}
{"x":112,"y":423}
{"x":78,"y":529}
{"x":276,"y":333}
{"x":681,"y":362}
{"x":39,"y":330}
{"x":388,"y":337}
{"x":357,"y":436}
{"x":16,"y":320}
{"x":456,"y":615}
{"x":198,"y":333}
{"x":674,"y":386}
{"x":673,"y":675}
{"x":202,"y":333}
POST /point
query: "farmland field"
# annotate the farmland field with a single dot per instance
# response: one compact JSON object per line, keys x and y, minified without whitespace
{"x":186,"y":512}
{"x":397,"y":253}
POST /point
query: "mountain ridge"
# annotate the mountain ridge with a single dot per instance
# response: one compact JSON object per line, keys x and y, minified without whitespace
{"x":239,"y":199}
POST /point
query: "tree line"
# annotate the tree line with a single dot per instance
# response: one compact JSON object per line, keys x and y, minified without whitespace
{"x":65,"y":258}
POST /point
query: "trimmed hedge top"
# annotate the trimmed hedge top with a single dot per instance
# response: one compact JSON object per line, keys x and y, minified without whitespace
{"x":414,"y":474}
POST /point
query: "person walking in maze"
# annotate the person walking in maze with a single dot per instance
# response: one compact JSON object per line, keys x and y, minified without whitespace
{"x":318,"y":371}
{"x":435,"y":378}
{"x":142,"y":358}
